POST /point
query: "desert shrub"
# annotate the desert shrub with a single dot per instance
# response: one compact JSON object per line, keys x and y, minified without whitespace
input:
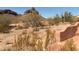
{"x":4,"y":23}
{"x":67,"y":17}
{"x":50,"y":20}
{"x":21,"y":42}
{"x":50,"y":38}
{"x":25,"y":42}
{"x":54,"y":21}
{"x":57,"y":19}
{"x":31,"y":41}
{"x":47,"y":38}
{"x":69,"y":46}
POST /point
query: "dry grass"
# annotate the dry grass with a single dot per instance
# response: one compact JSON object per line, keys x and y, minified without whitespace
{"x":69,"y":46}
{"x":26,"y":42}
{"x":21,"y":41}
{"x":31,"y":41}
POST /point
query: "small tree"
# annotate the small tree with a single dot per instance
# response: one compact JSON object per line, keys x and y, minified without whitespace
{"x":62,"y":19}
{"x":56,"y":19}
{"x":68,"y":17}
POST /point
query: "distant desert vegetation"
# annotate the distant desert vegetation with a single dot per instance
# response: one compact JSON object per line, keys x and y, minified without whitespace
{"x":32,"y":32}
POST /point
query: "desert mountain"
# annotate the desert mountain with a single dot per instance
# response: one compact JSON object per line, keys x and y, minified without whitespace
{"x":7,"y":11}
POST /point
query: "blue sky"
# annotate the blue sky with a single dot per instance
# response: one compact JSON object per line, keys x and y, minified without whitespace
{"x":46,"y":11}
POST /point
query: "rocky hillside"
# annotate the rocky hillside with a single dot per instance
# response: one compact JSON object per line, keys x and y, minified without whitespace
{"x":33,"y":18}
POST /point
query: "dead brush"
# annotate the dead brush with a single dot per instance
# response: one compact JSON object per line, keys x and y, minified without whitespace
{"x":31,"y":41}
{"x":38,"y":45}
{"x":50,"y":38}
{"x":69,"y":46}
{"x":26,"y":41}
{"x":21,"y":41}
